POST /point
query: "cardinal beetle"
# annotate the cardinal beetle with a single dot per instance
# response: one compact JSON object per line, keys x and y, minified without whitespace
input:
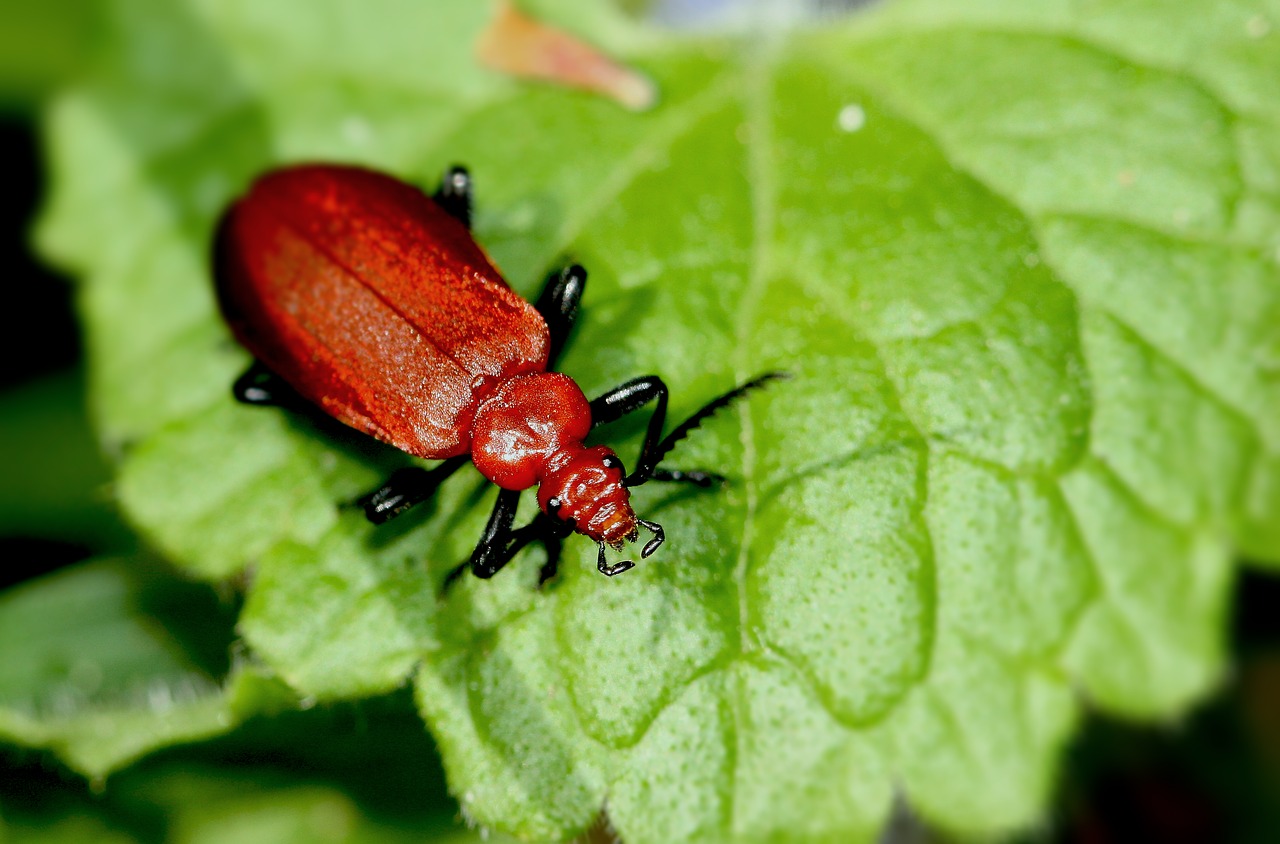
{"x":361,"y":295}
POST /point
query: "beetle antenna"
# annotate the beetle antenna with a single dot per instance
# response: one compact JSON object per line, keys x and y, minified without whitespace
{"x":719,"y":403}
{"x":659,"y":536}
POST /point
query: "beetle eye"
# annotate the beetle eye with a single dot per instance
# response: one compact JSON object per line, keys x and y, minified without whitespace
{"x":553,"y":507}
{"x":612,"y":462}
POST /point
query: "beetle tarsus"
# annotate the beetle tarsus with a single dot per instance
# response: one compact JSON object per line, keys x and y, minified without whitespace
{"x":554,"y":543}
{"x":452,"y":577}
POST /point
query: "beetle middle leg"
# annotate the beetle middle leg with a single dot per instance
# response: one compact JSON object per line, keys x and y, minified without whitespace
{"x":411,"y":485}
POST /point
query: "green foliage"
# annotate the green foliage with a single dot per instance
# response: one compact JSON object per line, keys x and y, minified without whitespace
{"x":54,"y":480}
{"x":1021,"y":260}
{"x":108,"y":661}
{"x":42,"y":47}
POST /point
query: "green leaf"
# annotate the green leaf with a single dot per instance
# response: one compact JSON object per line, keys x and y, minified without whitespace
{"x":245,"y":786}
{"x":1020,"y":260}
{"x":54,"y":483}
{"x":107,"y":661}
{"x":42,"y":47}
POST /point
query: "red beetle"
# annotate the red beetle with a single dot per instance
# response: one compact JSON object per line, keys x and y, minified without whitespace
{"x":358,"y":293}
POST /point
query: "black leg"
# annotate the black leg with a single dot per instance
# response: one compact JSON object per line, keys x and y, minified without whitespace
{"x":697,"y":478}
{"x":405,"y":488}
{"x":635,"y":394}
{"x":628,"y":398}
{"x":554,"y":543}
{"x":454,"y":194}
{"x":262,"y":387}
{"x":492,"y":553}
{"x":500,"y":543}
{"x":650,"y":458}
{"x":558,"y":304}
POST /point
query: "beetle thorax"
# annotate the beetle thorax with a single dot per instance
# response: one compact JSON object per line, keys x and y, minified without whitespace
{"x":529,"y":430}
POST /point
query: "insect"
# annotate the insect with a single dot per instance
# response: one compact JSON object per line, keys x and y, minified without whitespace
{"x":361,"y":295}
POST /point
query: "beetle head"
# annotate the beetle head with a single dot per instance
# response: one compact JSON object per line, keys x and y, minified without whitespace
{"x":584,"y":490}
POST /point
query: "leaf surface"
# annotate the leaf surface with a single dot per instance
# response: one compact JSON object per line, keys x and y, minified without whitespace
{"x":1020,"y":260}
{"x":110,"y":660}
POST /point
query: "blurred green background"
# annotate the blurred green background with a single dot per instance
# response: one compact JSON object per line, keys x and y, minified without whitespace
{"x":368,"y":771}
{"x":351,"y":773}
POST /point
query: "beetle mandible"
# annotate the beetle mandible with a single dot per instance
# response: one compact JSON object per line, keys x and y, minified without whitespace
{"x":362,"y":295}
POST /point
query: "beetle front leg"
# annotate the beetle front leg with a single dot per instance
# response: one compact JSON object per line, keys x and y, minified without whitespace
{"x":494,"y":549}
{"x":500,"y":543}
{"x":454,"y":194}
{"x":550,"y":533}
{"x":491,"y":553}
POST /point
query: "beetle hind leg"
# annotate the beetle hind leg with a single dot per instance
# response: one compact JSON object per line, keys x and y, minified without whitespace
{"x":454,"y":194}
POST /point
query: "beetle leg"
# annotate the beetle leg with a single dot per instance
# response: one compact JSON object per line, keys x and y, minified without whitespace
{"x":696,"y":477}
{"x":554,"y":543}
{"x":558,"y":304}
{"x":628,"y":398}
{"x":499,"y":543}
{"x":405,"y":488}
{"x":454,"y":194}
{"x":262,"y":387}
{"x":493,"y":551}
{"x":551,"y":533}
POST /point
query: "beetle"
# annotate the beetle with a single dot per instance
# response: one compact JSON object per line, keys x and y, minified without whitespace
{"x":361,"y":295}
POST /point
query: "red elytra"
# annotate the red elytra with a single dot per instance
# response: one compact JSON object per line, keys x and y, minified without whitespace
{"x":371,"y":300}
